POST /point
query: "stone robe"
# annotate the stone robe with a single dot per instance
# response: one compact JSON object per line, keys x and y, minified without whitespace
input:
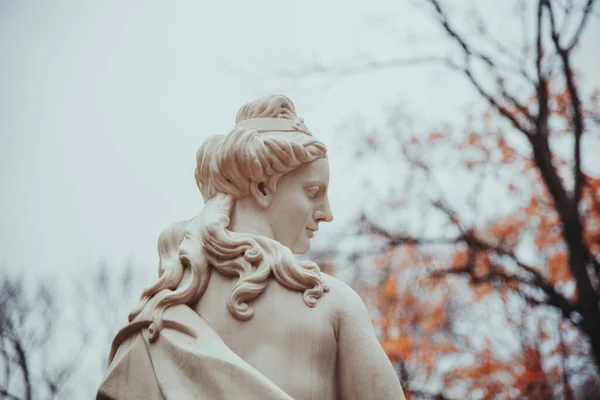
{"x":188,"y":361}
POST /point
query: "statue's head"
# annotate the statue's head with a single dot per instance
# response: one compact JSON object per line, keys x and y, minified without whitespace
{"x":265,"y":188}
{"x":274,"y":168}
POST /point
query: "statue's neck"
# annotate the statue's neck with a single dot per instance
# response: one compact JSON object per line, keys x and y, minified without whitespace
{"x":247,"y":217}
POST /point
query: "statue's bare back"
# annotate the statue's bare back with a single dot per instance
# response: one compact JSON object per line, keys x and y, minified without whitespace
{"x":310,"y":353}
{"x":291,"y":344}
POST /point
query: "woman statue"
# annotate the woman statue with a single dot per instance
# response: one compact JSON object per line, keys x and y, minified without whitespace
{"x":234,"y":314}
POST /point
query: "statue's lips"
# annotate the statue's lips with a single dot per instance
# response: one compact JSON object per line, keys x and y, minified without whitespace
{"x":311,"y":232}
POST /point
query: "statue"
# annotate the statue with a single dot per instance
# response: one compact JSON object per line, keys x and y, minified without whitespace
{"x":234,"y":314}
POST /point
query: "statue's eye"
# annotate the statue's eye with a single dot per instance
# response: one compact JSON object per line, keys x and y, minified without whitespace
{"x":312,"y":192}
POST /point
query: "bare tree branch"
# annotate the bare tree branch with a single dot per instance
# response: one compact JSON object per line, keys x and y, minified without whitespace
{"x":345,"y":69}
{"x":576,"y":114}
{"x":539,"y":141}
{"x":518,"y":63}
{"x":469,"y":238}
{"x":542,"y":89}
{"x":27,"y":322}
{"x":23,"y":363}
{"x":587,"y":12}
{"x":579,"y":254}
{"x":5,"y":356}
{"x":469,"y":52}
{"x":451,"y":214}
{"x":8,"y":395}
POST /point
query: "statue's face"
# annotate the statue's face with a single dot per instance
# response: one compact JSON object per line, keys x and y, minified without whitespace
{"x":299,"y":204}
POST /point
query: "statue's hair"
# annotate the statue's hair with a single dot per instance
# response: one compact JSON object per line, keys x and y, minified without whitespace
{"x":228,"y":168}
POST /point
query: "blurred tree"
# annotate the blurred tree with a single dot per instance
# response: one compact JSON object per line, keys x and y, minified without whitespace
{"x":523,"y":227}
{"x":31,"y":369}
{"x":105,"y":299}
{"x":54,"y":342}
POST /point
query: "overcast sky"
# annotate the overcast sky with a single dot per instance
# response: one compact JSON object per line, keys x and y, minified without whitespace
{"x":103,"y":105}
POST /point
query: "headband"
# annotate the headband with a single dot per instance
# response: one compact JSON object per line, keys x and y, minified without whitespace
{"x":274,"y":125}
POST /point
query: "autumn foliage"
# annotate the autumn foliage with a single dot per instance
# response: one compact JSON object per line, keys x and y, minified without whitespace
{"x":420,"y":302}
{"x":500,"y":299}
{"x":427,"y":287}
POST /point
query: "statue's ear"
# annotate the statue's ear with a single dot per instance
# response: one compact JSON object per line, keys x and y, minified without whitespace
{"x":262,"y":194}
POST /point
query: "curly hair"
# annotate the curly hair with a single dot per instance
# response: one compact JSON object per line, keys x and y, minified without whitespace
{"x":228,"y":168}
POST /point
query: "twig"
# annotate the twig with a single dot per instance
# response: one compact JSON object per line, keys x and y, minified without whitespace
{"x":7,"y":395}
{"x":587,"y":11}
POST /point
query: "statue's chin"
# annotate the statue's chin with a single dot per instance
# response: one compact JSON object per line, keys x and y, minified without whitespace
{"x":299,"y":252}
{"x":300,"y":249}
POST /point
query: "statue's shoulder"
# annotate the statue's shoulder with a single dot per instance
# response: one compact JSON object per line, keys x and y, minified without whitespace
{"x":344,"y":301}
{"x":340,"y":291}
{"x":179,"y":317}
{"x":175,"y":312}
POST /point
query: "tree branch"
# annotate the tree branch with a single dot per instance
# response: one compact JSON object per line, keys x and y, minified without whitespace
{"x":23,"y":363}
{"x":518,"y":67}
{"x":361,"y":67}
{"x":576,"y":114}
{"x":470,"y":52}
{"x":554,"y":298}
{"x":5,"y":355}
{"x":579,"y":254}
{"x":473,"y":242}
{"x":587,"y":11}
{"x":7,"y":395}
{"x":490,"y":99}
{"x":542,"y":89}
{"x":394,"y":240}
{"x":539,"y":141}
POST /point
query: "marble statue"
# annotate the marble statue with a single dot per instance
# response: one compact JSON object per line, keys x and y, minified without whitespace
{"x":234,"y":314}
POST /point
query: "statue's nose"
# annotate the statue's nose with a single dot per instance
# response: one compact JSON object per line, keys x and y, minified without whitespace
{"x":324,"y":214}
